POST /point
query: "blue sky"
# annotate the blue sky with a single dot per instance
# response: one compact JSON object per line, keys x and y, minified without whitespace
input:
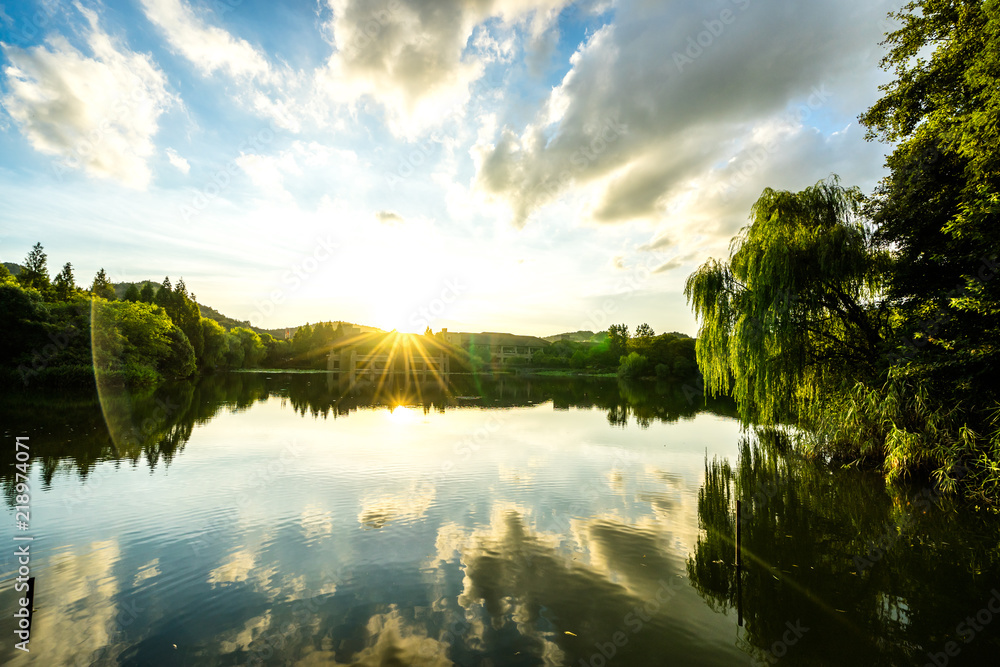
{"x":524,"y":165}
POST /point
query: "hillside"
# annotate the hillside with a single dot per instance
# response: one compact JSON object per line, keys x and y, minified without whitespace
{"x":578,"y":337}
{"x":206,"y":311}
{"x":280,"y":333}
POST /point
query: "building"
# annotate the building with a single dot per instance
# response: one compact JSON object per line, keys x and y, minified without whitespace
{"x":371,"y":355}
{"x":354,"y":362}
{"x":503,"y":347}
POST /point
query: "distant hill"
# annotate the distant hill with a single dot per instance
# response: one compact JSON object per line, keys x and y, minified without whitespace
{"x":226,"y":322}
{"x":280,"y":333}
{"x":121,"y":288}
{"x":206,"y":311}
{"x":578,"y":337}
{"x":591,"y":337}
{"x":13,"y":268}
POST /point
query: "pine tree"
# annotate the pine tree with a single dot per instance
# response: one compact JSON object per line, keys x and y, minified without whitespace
{"x":146,"y":294}
{"x":101,"y":287}
{"x":35,"y":272}
{"x":165,"y":294}
{"x":65,"y":283}
{"x":131,"y":294}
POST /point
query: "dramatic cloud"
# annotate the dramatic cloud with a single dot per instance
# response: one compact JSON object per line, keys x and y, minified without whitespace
{"x":97,"y":112}
{"x":633,"y":135}
{"x":654,"y":103}
{"x":411,"y":56}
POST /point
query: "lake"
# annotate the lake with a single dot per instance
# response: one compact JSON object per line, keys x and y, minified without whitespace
{"x":293,"y":518}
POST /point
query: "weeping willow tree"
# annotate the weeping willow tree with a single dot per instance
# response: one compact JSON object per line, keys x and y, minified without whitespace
{"x":796,"y":312}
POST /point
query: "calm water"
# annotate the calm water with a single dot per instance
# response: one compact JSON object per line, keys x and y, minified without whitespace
{"x":286,"y":519}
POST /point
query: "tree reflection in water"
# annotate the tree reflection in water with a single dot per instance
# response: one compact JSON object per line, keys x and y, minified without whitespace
{"x":878,"y":575}
{"x":153,"y":425}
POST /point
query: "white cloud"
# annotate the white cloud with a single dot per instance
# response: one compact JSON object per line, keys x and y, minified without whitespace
{"x":268,"y":90}
{"x":97,"y":112}
{"x":411,"y":55}
{"x":388,"y":217}
{"x":656,"y":100}
{"x":210,"y":48}
{"x":175,"y":159}
{"x":267,"y":172}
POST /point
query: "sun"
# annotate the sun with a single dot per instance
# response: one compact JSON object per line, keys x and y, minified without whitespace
{"x":399,"y":309}
{"x":398,"y":316}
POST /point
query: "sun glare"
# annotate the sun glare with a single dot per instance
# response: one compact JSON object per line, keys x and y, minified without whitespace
{"x":401,"y":414}
{"x":397,"y":311}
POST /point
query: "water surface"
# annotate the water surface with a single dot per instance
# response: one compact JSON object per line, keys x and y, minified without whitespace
{"x":266,"y":518}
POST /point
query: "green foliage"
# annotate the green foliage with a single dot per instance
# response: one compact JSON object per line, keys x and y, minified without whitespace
{"x":24,"y":317}
{"x":102,"y":287}
{"x":134,"y":341}
{"x":184,"y":311}
{"x":35,"y":273}
{"x":644,"y":331}
{"x":633,"y":365}
{"x":881,"y":339}
{"x":796,"y":309}
{"x":65,"y":283}
{"x":214,"y":345}
{"x":147,"y":292}
{"x":163,"y":296}
{"x":138,"y":342}
{"x":938,"y":208}
{"x":245,"y":349}
{"x":618,"y":340}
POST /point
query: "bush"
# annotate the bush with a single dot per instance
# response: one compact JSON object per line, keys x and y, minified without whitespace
{"x":633,"y":366}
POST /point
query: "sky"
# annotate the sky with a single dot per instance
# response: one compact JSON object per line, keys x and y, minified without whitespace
{"x":532,"y":166}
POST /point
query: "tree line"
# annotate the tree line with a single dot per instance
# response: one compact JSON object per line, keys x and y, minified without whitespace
{"x":667,"y":356}
{"x":872,"y":323}
{"x":58,"y":332}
